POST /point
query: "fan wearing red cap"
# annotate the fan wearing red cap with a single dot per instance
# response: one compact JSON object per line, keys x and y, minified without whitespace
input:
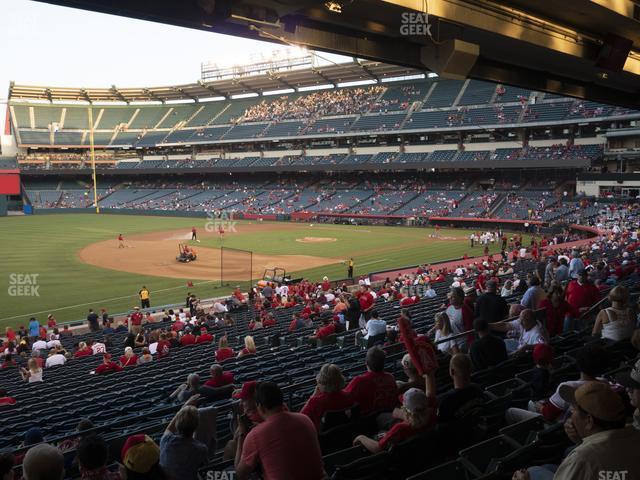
{"x":247,"y":416}
{"x":107,"y":365}
{"x":246,"y":395}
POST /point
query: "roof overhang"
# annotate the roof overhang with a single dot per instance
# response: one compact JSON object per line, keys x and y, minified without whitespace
{"x":567,"y":47}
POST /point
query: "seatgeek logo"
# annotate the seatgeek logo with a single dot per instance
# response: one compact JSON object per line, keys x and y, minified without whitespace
{"x":612,"y":474}
{"x":414,"y":24}
{"x":219,"y":475}
{"x":220,"y":222}
{"x":23,"y":285}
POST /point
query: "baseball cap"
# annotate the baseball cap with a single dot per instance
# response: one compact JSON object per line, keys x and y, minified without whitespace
{"x":542,"y":353}
{"x":247,"y":391}
{"x":33,"y":435}
{"x":140,"y":453}
{"x":630,"y":379}
{"x":595,"y":398}
{"x":414,"y":400}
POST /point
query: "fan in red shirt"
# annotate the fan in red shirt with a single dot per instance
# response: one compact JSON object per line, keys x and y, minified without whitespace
{"x":51,"y":321}
{"x":328,"y":395}
{"x":556,"y":310}
{"x":224,"y":351}
{"x":129,"y":359}
{"x":178,"y":325}
{"x":327,"y":329}
{"x":239,"y":296}
{"x":11,"y":335}
{"x":269,"y":321}
{"x":408,"y":301}
{"x":419,"y":348}
{"x":162,"y":350}
{"x":418,"y":415}
{"x":83,"y":350}
{"x":581,"y":294}
{"x":284,"y":446}
{"x":5,"y":399}
{"x":187,"y":338}
{"x":375,"y":390}
{"x":219,"y":378}
{"x":366,"y":301}
{"x":136,"y":320}
{"x":107,"y":365}
{"x":205,"y":336}
{"x":249,"y":347}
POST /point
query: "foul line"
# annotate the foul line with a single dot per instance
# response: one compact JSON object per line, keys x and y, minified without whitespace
{"x":99,"y":301}
{"x":371,"y":263}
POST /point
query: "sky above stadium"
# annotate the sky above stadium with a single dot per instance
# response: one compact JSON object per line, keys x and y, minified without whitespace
{"x":56,"y":46}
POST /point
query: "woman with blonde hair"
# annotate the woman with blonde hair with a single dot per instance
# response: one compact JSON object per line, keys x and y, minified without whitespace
{"x":328,"y":395}
{"x":616,"y":322}
{"x":33,"y":373}
{"x":83,"y":350}
{"x":224,"y":351}
{"x":443,"y":330}
{"x":249,"y":347}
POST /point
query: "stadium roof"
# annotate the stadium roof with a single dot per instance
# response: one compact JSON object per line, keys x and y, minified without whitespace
{"x":579,"y":48}
{"x":355,"y":71}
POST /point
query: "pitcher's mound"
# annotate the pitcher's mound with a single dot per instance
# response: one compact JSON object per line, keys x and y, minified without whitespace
{"x":316,"y":239}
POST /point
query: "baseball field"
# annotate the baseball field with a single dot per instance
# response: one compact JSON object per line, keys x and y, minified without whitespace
{"x":65,"y":264}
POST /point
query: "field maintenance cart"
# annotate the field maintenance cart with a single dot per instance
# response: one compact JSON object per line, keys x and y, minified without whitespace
{"x":186,"y":254}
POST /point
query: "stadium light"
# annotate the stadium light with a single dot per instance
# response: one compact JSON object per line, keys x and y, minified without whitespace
{"x":244,"y":95}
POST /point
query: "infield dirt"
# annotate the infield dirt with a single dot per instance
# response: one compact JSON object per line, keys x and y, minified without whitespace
{"x":155,"y":254}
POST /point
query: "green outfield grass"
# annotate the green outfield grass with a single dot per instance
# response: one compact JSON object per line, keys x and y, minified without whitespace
{"x":47,"y":246}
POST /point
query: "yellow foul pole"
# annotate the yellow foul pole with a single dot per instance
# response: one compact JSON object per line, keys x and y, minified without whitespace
{"x":93,"y":160}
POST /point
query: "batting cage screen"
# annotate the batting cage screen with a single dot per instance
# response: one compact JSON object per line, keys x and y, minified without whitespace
{"x":235,"y":265}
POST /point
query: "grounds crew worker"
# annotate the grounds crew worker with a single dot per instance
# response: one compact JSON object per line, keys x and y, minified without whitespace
{"x":350,"y":271}
{"x":144,"y":297}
